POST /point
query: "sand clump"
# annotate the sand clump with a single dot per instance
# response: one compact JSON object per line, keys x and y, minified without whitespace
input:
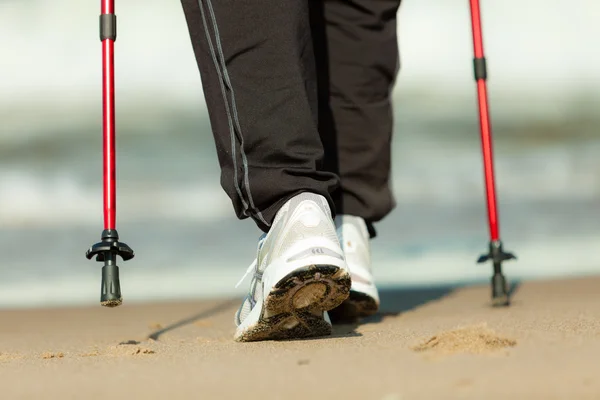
{"x":121,"y":350}
{"x":49,"y":355}
{"x":93,"y":353}
{"x":478,"y":339}
{"x":130,"y":348}
{"x":129,"y":351}
{"x":141,"y":350}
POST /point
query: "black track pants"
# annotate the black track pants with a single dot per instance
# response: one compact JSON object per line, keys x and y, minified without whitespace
{"x":299,"y":98}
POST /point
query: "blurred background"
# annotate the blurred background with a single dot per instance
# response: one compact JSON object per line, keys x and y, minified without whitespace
{"x":544,"y":89}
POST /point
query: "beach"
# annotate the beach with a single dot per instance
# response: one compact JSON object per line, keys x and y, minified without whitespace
{"x":436,"y":336}
{"x":173,"y":212}
{"x":426,"y":343}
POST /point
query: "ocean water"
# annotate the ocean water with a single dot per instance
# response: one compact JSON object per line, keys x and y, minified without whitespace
{"x":544,"y":96}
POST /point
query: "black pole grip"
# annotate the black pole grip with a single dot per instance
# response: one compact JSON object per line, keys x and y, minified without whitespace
{"x":108,"y":27}
{"x":480,"y":68}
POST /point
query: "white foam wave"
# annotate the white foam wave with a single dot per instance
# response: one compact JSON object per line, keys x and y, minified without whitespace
{"x":136,"y":285}
{"x":41,"y":201}
{"x":549,"y":257}
{"x":454,"y":177}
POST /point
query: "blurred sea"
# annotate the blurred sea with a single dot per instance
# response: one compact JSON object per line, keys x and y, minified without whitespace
{"x":544,"y":96}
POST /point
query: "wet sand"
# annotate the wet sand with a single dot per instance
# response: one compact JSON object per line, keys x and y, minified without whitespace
{"x":429,"y":343}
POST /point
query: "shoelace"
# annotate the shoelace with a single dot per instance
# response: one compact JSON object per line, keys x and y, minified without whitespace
{"x":252,"y":266}
{"x":250,"y":269}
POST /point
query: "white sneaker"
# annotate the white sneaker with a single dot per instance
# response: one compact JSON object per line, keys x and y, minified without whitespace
{"x":299,"y":274}
{"x":364,"y":297}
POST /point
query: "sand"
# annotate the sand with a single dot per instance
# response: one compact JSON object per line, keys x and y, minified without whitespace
{"x":434,"y":343}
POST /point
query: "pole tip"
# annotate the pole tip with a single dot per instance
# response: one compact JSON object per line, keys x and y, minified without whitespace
{"x":112,"y":303}
{"x":500,"y":295}
{"x":110,"y":295}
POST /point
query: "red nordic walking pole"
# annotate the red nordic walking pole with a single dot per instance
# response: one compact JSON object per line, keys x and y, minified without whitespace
{"x":109,"y":247}
{"x":496,"y":254}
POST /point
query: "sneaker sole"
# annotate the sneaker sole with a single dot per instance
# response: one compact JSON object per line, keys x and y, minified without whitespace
{"x":358,"y":305}
{"x":294,"y":308}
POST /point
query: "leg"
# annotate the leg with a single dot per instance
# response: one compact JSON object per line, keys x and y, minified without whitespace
{"x":357,"y":54}
{"x":258,"y":70}
{"x":257,"y":66}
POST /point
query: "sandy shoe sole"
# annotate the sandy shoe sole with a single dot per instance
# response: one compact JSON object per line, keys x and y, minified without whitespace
{"x":357,"y":305}
{"x":294,"y":308}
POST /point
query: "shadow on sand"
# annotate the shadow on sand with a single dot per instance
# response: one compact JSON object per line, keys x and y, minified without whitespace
{"x":398,"y":300}
{"x":220,"y":307}
{"x":394,"y":301}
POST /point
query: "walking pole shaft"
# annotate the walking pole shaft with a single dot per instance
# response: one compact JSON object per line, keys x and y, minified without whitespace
{"x":480,"y":69}
{"x":108,"y":33}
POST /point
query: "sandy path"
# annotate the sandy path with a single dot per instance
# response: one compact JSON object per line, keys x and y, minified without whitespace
{"x":427,"y":344}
